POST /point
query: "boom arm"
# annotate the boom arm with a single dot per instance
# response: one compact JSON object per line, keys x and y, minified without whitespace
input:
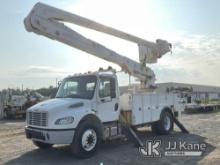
{"x":46,"y":20}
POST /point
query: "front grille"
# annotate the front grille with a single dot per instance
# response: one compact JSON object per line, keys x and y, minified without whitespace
{"x":37,"y":119}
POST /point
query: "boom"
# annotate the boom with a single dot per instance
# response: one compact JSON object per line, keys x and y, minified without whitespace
{"x":49,"y":21}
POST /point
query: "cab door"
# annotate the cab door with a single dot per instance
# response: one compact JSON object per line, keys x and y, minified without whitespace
{"x":108,"y":99}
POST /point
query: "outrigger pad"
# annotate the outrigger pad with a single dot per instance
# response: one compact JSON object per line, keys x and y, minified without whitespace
{"x":131,"y":134}
{"x":181,"y":127}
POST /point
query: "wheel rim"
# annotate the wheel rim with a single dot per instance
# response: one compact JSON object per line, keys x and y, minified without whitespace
{"x":167,"y":122}
{"x":89,"y":139}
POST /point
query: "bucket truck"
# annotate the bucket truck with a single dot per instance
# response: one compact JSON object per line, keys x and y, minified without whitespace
{"x":88,"y":107}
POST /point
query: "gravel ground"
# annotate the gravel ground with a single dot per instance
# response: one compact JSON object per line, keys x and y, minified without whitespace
{"x":203,"y":127}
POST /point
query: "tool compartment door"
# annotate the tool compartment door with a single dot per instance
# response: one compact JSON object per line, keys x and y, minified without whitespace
{"x":137,"y":109}
{"x":156,"y":108}
{"x":146,"y":108}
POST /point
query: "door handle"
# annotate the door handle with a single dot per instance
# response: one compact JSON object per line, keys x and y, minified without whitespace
{"x":116,"y":107}
{"x":104,"y":100}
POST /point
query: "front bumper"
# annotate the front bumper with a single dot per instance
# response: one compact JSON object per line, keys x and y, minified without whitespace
{"x":52,"y":136}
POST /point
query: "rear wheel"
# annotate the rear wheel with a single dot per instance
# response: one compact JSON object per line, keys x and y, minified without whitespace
{"x":165,"y":125}
{"x":86,"y":140}
{"x":42,"y":145}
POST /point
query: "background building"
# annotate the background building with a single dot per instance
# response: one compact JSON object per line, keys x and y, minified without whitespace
{"x":198,"y":92}
{"x":191,"y":92}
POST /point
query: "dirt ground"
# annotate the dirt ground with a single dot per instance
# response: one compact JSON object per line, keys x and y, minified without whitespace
{"x":203,"y":127}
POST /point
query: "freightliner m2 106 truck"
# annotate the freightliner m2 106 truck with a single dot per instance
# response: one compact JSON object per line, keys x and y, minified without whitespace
{"x":88,"y":108}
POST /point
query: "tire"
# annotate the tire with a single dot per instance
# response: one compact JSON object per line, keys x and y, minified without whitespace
{"x":165,"y":125}
{"x":86,"y":140}
{"x":42,"y":145}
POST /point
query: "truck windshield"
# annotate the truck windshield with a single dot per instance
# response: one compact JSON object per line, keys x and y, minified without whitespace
{"x":77,"y":87}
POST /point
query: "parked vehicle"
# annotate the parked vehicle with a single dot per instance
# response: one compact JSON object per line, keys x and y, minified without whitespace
{"x":16,"y":105}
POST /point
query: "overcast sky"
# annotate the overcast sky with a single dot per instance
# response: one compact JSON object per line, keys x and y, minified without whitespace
{"x":192,"y":26}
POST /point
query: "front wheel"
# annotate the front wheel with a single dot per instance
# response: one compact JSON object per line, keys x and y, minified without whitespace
{"x":165,"y":125}
{"x":42,"y":145}
{"x":86,"y":140}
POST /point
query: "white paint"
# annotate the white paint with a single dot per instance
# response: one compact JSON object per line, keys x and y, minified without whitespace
{"x":43,"y":20}
{"x":147,"y":107}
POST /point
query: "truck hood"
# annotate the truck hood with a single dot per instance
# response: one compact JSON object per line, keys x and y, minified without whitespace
{"x":57,"y":103}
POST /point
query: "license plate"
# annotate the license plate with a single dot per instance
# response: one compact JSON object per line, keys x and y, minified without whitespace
{"x":32,"y":134}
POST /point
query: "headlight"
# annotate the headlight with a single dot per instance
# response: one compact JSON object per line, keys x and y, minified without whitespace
{"x":64,"y":121}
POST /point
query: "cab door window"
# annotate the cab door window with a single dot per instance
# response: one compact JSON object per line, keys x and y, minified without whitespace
{"x":107,"y":87}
